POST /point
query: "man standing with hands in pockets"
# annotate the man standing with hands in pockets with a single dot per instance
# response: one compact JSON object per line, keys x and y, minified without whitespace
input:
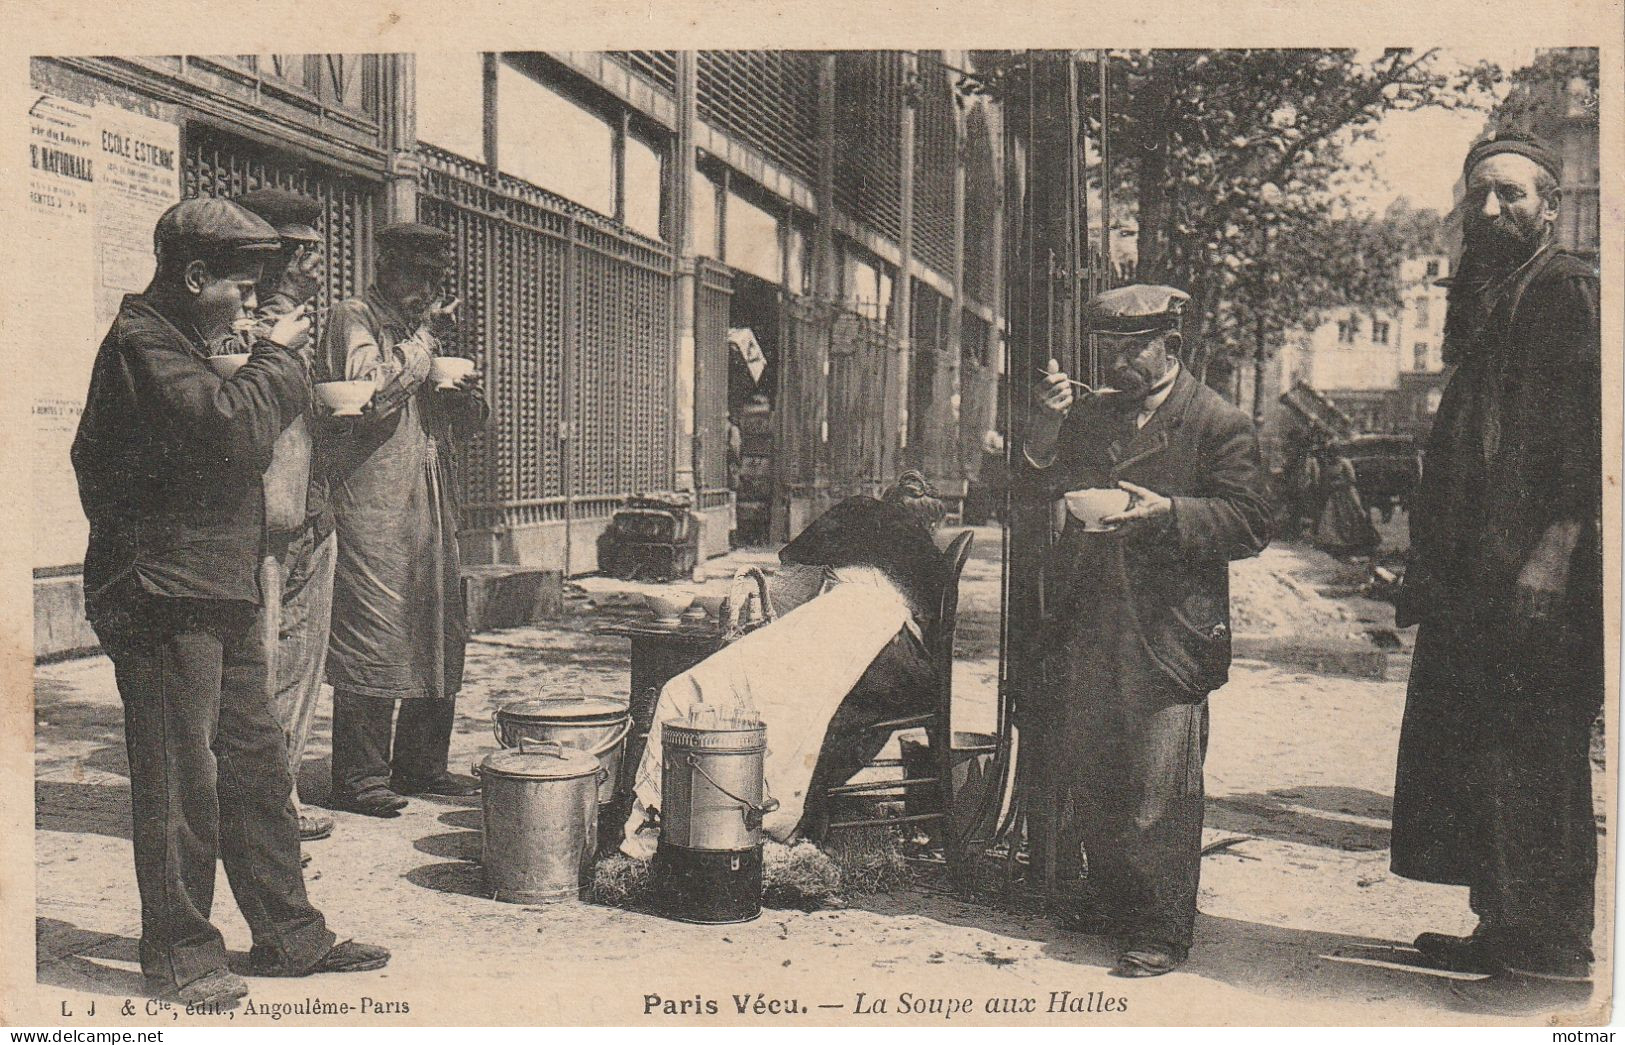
{"x":398,"y":630}
{"x":1137,"y":615}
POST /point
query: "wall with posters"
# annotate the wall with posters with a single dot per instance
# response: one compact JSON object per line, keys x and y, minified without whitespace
{"x":107,"y":155}
{"x":99,"y":177}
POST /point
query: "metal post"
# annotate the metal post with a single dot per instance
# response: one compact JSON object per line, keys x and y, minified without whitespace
{"x":903,"y":284}
{"x":401,"y":137}
{"x":687,"y":444}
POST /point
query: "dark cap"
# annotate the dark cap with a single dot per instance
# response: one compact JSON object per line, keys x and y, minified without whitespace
{"x":209,"y":227}
{"x":422,"y":243}
{"x":292,"y":214}
{"x":1139,"y":308}
{"x":1520,"y":144}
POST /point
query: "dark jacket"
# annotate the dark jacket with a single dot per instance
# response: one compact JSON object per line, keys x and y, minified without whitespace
{"x":1169,"y":590}
{"x":169,"y":458}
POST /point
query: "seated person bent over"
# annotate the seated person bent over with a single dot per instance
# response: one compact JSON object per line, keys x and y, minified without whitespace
{"x":855,"y":595}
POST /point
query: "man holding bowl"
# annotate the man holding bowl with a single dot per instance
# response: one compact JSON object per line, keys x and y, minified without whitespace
{"x":398,"y":631}
{"x":1137,"y":608}
{"x":169,"y":457}
{"x":296,"y":573}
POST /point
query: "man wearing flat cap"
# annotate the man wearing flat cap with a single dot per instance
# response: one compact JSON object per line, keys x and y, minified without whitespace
{"x":398,"y":632}
{"x":1137,"y":616}
{"x":169,"y":457}
{"x":1505,"y":578}
{"x":296,"y":573}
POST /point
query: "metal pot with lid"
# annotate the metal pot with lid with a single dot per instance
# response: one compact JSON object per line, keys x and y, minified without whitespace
{"x":596,"y":725}
{"x":540,"y":811}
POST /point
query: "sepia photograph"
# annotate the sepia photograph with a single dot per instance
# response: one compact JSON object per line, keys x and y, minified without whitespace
{"x":1053,"y":536}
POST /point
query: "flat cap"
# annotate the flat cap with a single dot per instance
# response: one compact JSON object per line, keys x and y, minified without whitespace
{"x":1140,"y":308}
{"x":423,"y":242}
{"x":207,"y":225}
{"x":1517,"y":143}
{"x":292,"y":214}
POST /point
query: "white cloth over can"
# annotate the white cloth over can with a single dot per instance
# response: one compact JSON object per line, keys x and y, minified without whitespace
{"x":791,"y":675}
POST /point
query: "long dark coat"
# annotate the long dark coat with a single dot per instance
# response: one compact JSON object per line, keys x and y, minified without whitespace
{"x":1493,"y":787}
{"x":398,"y":626}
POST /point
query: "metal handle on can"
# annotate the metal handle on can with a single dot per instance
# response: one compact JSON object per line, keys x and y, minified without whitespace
{"x":753,"y":812}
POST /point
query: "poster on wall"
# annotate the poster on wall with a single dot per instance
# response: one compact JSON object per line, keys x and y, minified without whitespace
{"x":61,"y":223}
{"x":138,"y":178}
{"x":99,"y":177}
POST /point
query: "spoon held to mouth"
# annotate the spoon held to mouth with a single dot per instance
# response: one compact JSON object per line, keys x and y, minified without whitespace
{"x":1087,"y":390}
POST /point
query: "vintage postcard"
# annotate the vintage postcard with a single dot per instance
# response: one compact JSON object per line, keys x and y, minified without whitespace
{"x":920,"y":517}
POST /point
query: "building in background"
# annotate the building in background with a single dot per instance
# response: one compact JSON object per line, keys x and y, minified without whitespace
{"x":1421,"y":345}
{"x":1383,"y":370}
{"x":617,"y":216}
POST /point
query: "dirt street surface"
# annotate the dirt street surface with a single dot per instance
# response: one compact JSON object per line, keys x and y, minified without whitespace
{"x":1300,"y":918}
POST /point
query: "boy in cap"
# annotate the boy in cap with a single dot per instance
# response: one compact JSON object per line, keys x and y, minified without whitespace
{"x":1138,"y":617}
{"x":398,"y":632}
{"x":1493,"y":789}
{"x":297,"y":571}
{"x":169,"y":457}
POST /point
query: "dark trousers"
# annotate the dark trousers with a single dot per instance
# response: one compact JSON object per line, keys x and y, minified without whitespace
{"x":208,"y":780}
{"x":362,"y":756}
{"x":1140,"y":818}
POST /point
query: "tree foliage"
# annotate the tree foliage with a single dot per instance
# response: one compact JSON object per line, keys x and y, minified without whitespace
{"x":1234,"y":159}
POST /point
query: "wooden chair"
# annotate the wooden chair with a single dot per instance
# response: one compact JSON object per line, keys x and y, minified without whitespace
{"x":938,"y":722}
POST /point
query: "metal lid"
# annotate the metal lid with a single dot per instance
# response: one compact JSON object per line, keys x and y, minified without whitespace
{"x":540,"y":762}
{"x":557,"y":709}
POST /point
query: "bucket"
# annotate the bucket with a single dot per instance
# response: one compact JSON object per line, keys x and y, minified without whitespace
{"x":972,"y":752}
{"x":711,"y":786}
{"x":596,"y":725}
{"x":540,"y":809}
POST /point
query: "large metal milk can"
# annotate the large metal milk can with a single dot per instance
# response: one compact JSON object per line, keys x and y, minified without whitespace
{"x":540,"y":805}
{"x":708,"y":867}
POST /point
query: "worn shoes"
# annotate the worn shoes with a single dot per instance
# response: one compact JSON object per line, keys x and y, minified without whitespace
{"x":447,"y":784}
{"x":380,"y":801}
{"x":1138,"y":963}
{"x":348,"y":956}
{"x":217,"y":991}
{"x":314,"y":827}
{"x":1458,"y":953}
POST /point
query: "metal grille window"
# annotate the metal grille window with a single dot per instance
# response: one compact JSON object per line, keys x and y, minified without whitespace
{"x":981,"y":206}
{"x":858,"y":350}
{"x":928,"y":407}
{"x":713,"y":293}
{"x":767,"y":100}
{"x":658,"y":67}
{"x":570,"y":319}
{"x":868,"y":119}
{"x":220,"y":164}
{"x":935,"y":160}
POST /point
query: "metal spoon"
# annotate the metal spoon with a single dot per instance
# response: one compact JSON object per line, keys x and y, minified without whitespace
{"x":1075,"y":383}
